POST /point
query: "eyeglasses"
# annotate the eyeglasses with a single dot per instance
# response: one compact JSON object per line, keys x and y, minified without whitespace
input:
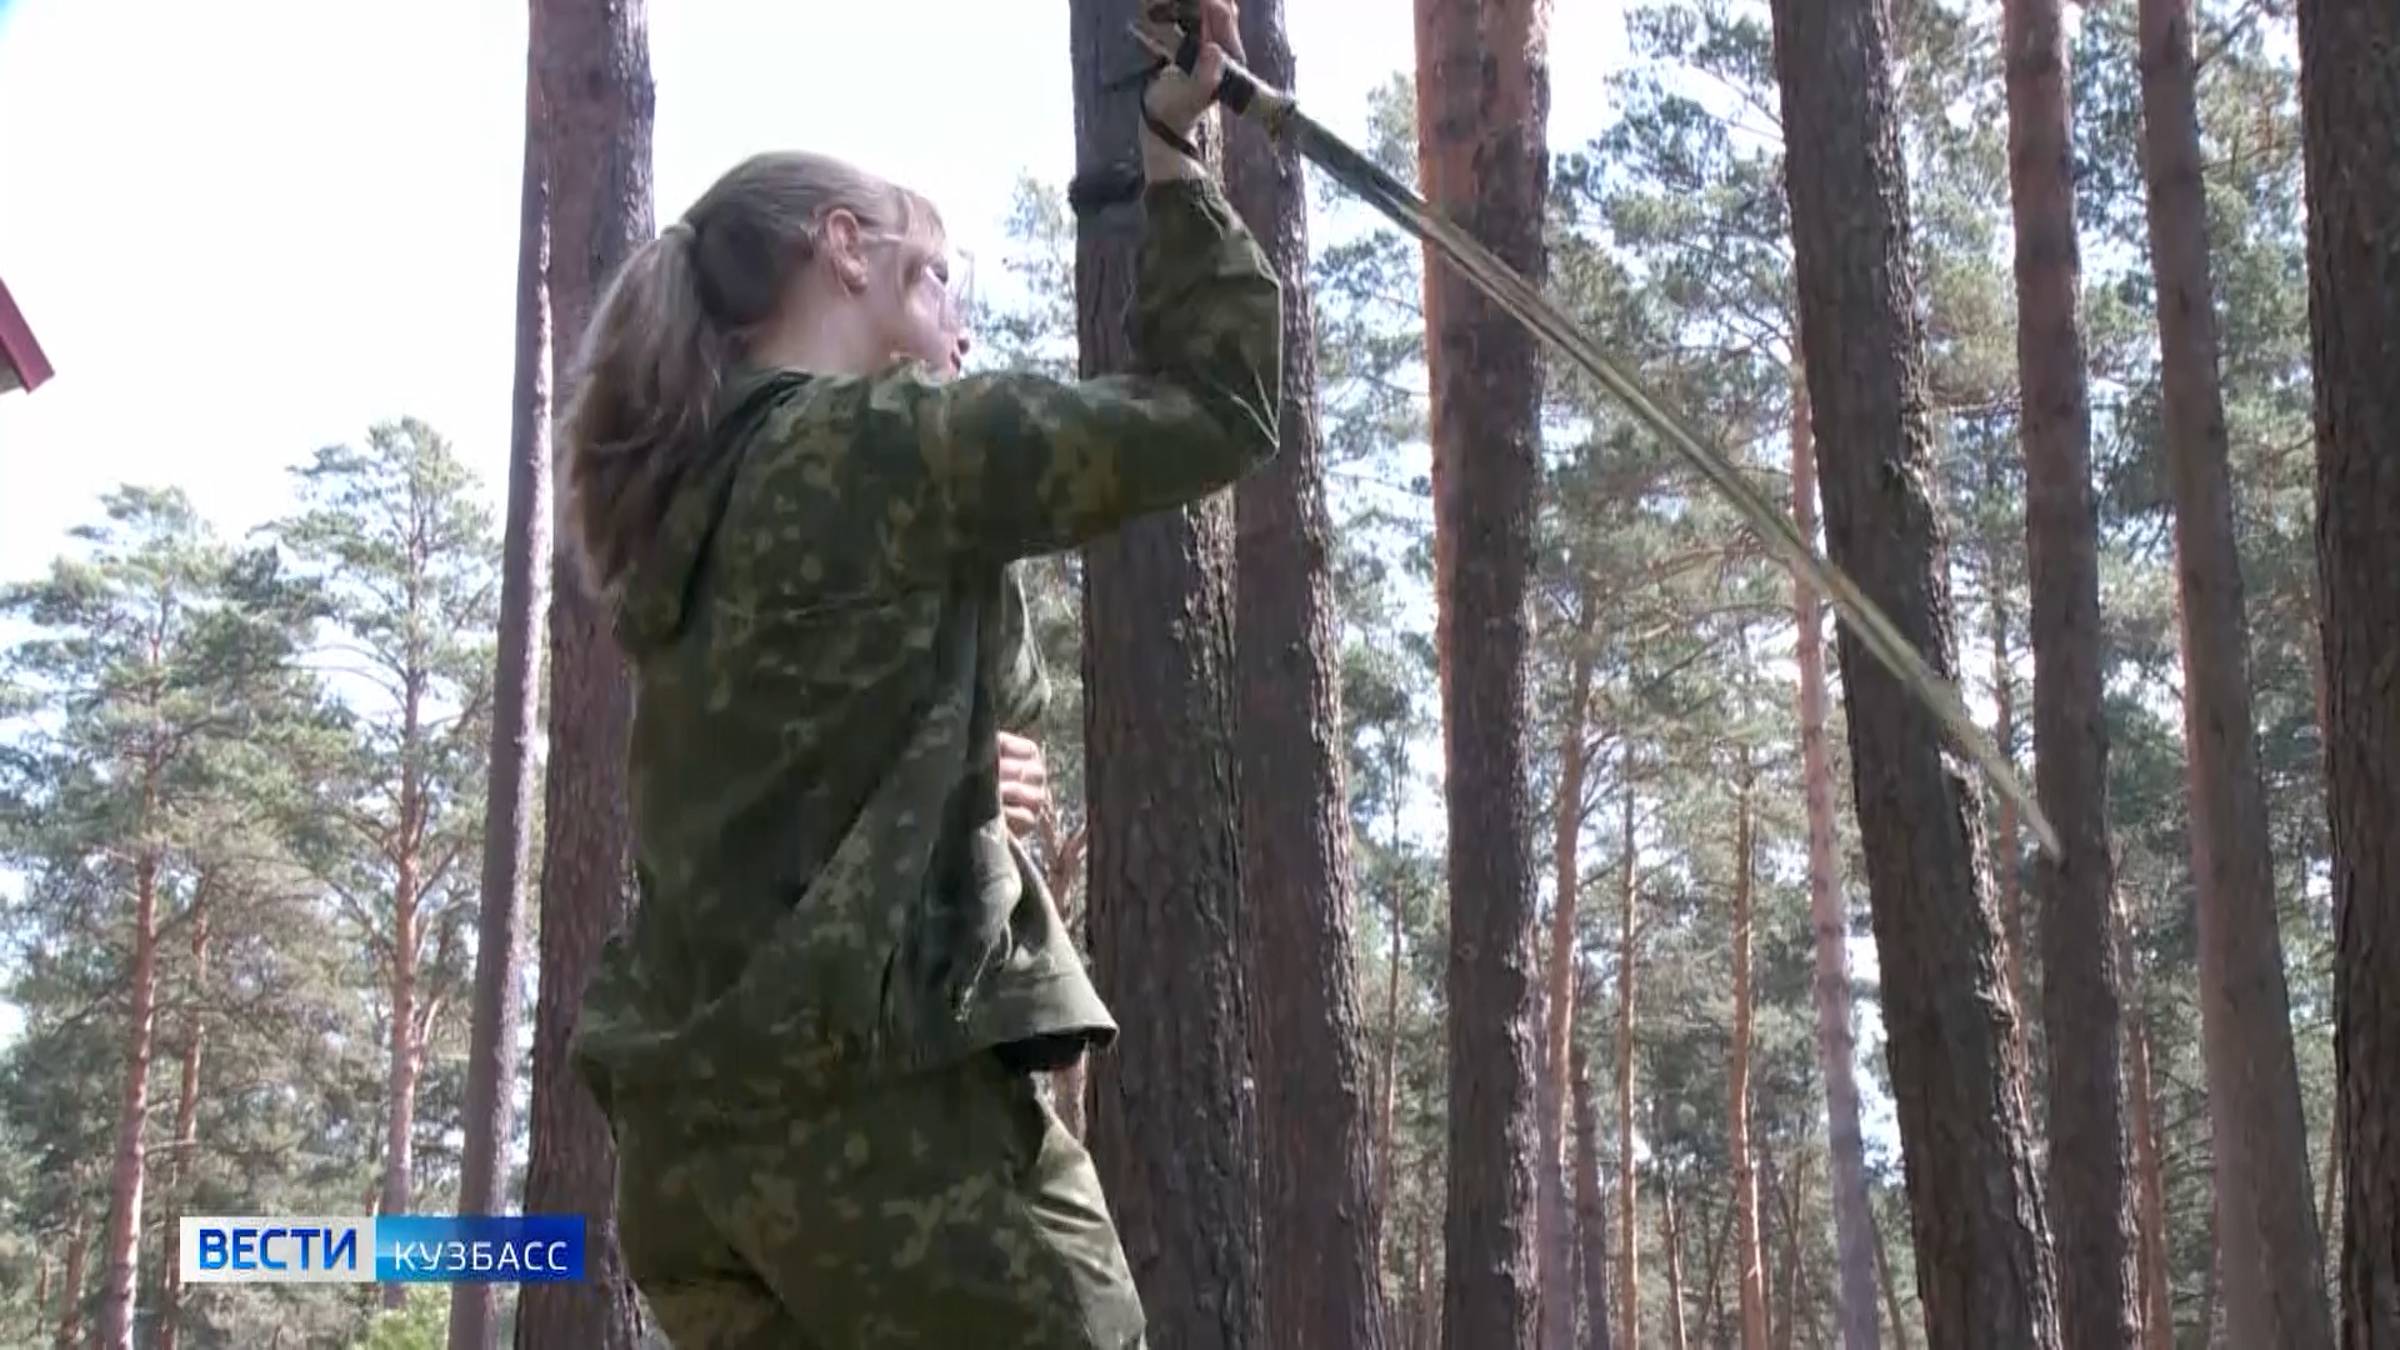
{"x":951,"y":271}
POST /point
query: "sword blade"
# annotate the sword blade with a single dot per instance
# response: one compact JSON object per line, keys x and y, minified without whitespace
{"x":1504,"y":286}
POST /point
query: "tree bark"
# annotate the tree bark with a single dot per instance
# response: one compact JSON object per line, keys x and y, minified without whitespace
{"x":1591,"y":1210}
{"x":2158,"y":1308}
{"x":2328,"y":1219}
{"x":1719,"y":1243}
{"x":1557,"y":1241}
{"x":2274,"y":1271}
{"x":2083,"y":1018}
{"x":2350,"y":112}
{"x":1629,"y":1287}
{"x":122,"y":1249}
{"x":70,"y":1317}
{"x":1388,"y":1083}
{"x":1483,"y":106}
{"x":186,"y":1146}
{"x":509,"y":782}
{"x":1785,"y":1286}
{"x":592,"y":62}
{"x":1829,"y":921}
{"x":1174,"y":1124}
{"x":1983,"y":1266}
{"x":1318,"y":1186}
{"x":1891,"y":1291}
{"x":1429,"y":1303}
{"x":400,"y":1081}
{"x":2008,"y":851}
{"x":1676,"y":1329}
{"x":1747,"y":1259}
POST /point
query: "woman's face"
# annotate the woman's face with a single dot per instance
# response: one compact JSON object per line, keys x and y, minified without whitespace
{"x":921,"y":295}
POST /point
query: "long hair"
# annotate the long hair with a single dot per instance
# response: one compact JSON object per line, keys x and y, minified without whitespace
{"x":675,"y":319}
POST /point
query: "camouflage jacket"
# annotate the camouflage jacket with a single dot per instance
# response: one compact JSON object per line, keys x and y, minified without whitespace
{"x":826,"y":637}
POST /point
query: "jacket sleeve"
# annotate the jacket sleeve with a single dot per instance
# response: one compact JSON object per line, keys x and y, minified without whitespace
{"x":1021,"y":683}
{"x":1025,"y":464}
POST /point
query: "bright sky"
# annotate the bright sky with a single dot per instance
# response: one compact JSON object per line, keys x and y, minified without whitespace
{"x":246,"y":229}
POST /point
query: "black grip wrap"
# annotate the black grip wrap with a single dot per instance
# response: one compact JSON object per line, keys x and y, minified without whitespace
{"x":1235,"y":89}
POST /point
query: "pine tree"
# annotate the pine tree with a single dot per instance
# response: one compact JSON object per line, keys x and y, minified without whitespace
{"x":510,"y":794}
{"x":1984,"y":1268}
{"x":1483,"y":86}
{"x":1299,"y":898}
{"x":591,"y":66}
{"x":156,"y":660}
{"x":2090,"y":1168}
{"x":2350,"y":99}
{"x":399,"y":554}
{"x":1174,"y":1125}
{"x":2274,"y":1281}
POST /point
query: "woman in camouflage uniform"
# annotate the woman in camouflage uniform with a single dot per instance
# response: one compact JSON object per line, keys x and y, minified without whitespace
{"x":816,"y":1038}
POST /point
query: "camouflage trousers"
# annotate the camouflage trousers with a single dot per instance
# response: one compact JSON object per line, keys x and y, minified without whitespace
{"x":945,"y":1209}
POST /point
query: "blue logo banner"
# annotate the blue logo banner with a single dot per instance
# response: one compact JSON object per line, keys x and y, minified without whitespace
{"x":472,"y":1248}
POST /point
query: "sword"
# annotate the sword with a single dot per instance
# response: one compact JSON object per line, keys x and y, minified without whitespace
{"x":1278,"y":113}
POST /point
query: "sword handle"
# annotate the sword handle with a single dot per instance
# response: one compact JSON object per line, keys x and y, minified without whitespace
{"x":1238,"y":89}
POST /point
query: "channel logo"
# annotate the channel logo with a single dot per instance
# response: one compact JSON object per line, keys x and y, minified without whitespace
{"x":385,"y":1249}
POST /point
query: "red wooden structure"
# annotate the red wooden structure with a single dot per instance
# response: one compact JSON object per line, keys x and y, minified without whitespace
{"x":22,"y":365}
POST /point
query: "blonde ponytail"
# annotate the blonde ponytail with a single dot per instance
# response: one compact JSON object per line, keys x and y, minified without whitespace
{"x":675,"y":319}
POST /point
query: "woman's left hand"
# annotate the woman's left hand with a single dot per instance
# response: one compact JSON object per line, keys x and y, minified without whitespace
{"x":1024,"y":783}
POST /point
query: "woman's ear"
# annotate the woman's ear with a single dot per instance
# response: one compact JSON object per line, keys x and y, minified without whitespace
{"x":843,"y":240}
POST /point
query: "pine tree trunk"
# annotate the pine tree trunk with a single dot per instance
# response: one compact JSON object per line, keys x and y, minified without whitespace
{"x":2083,"y":1018}
{"x":1428,"y":1300}
{"x":2008,"y":849}
{"x":2328,"y":1221}
{"x":2274,"y":1270}
{"x":1674,"y":1236}
{"x":2350,"y":110}
{"x":1387,"y":1139}
{"x":2158,"y":1308}
{"x":1591,"y":1210}
{"x":1983,"y":1261}
{"x":1803,"y":1296}
{"x":1388,"y":1142}
{"x":1629,"y":1286}
{"x":70,"y":1317}
{"x":1317,"y":1177}
{"x":1891,"y":1292}
{"x":1829,"y":922}
{"x":2212,"y":1285}
{"x":1174,"y":1126}
{"x":122,"y":1251}
{"x":592,"y":61}
{"x":1557,"y":1218}
{"x":2155,"y":1283}
{"x":1786,"y":1282}
{"x":185,"y":1150}
{"x":1749,"y":1269}
{"x":1483,"y":102}
{"x":400,"y":1081}
{"x":509,"y":786}
{"x":1719,"y":1243}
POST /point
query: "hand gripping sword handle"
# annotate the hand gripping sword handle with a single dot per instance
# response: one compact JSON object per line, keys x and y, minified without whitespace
{"x":1239,"y":88}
